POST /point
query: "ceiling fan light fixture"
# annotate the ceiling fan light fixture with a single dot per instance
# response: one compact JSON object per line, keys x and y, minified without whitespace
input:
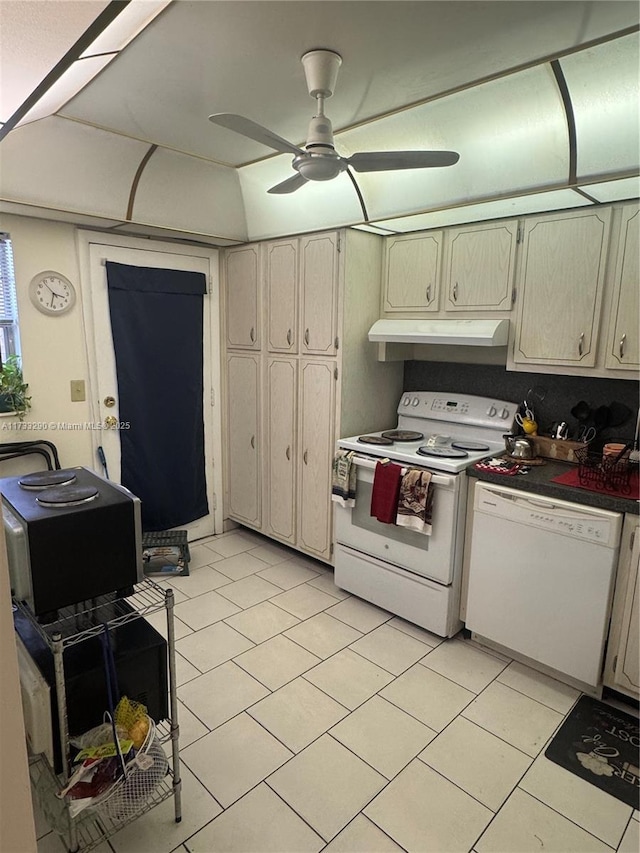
{"x":319,"y":167}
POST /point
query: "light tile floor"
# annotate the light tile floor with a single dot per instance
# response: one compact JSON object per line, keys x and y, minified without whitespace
{"x":311,"y":720}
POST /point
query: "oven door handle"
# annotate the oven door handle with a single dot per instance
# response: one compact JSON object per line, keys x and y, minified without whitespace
{"x":436,"y":479}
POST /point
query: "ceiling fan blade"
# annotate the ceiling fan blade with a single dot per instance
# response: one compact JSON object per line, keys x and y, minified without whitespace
{"x":289,"y":186}
{"x":254,"y":131}
{"x":380,"y":161}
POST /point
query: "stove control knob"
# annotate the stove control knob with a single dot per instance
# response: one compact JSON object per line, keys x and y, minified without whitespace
{"x":406,"y":401}
{"x":492,"y":411}
{"x":504,"y":414}
{"x":415,"y":402}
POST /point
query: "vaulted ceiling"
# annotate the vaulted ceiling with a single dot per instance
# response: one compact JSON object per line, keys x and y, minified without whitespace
{"x":122,"y":135}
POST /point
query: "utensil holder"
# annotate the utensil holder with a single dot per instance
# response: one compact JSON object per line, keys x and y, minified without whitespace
{"x":562,"y":450}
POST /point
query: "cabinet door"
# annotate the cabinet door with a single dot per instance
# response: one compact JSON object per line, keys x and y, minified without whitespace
{"x":627,"y":664}
{"x":624,"y":348}
{"x":412,"y":272}
{"x":479,"y":266}
{"x":316,"y":447}
{"x":241,"y":285}
{"x":243,"y":437}
{"x":280,"y":454}
{"x":281,"y":290}
{"x":560,"y":281}
{"x":319,"y":294}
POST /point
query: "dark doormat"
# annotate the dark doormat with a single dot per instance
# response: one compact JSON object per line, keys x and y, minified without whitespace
{"x":600,"y":744}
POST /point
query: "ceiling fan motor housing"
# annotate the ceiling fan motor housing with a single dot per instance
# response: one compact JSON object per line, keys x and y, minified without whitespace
{"x":320,"y":132}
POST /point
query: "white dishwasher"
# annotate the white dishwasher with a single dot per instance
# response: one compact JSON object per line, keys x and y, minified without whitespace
{"x":541,"y":575}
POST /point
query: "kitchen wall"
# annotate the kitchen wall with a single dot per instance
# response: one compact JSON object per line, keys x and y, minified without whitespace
{"x":561,"y":393}
{"x":17,"y":832}
{"x":54,"y":349}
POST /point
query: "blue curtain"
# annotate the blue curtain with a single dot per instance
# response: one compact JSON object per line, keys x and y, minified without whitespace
{"x":157,"y":328}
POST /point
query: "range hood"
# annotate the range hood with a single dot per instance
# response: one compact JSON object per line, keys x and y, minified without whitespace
{"x":475,"y":333}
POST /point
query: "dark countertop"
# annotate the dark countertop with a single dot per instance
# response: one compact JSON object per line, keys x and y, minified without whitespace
{"x":538,"y":480}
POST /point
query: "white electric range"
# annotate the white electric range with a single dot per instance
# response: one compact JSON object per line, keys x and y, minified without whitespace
{"x":406,"y":572}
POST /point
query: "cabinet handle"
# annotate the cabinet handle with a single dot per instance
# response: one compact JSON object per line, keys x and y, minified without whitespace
{"x":580,"y":343}
{"x":306,"y":336}
{"x":304,"y":457}
{"x":289,"y":336}
{"x":622,"y":342}
{"x":287,"y":452}
{"x":428,"y":293}
{"x":252,"y":335}
{"x":454,"y":292}
{"x":253,"y":441}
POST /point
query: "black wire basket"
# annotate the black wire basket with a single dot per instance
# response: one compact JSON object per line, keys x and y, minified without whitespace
{"x":604,"y":472}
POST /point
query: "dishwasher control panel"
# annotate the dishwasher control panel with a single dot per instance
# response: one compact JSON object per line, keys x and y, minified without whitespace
{"x":556,"y":516}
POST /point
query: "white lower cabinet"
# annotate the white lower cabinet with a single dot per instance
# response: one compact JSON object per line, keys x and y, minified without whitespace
{"x":622,"y":665}
{"x":281,"y":452}
{"x":299,"y":446}
{"x":316,"y":446}
{"x":243,"y":437}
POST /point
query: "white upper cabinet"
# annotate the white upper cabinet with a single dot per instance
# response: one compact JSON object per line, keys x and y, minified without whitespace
{"x":412,"y":272}
{"x":281,"y":295}
{"x":479,"y":266}
{"x":623,"y":350}
{"x":319,"y":294}
{"x":560,"y":281}
{"x":241,"y":278}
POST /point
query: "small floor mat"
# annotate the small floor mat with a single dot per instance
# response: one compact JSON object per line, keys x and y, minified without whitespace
{"x":600,"y":744}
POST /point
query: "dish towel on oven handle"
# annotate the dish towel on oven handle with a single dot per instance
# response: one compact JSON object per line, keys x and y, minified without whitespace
{"x":343,"y":478}
{"x":415,"y":504}
{"x":386,"y":491}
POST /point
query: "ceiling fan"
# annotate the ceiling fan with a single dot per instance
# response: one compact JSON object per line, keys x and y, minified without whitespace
{"x":318,"y":160}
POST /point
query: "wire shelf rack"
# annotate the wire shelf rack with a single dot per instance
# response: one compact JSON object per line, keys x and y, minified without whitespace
{"x":78,"y":622}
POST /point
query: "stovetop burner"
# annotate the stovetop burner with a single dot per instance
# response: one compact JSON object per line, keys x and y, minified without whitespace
{"x":442,"y":452}
{"x":63,"y":496}
{"x":474,"y":446}
{"x":403,"y":435}
{"x":46,"y":480}
{"x":375,"y":439}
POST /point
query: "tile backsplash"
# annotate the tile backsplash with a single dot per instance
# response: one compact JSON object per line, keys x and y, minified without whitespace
{"x":560,"y":393}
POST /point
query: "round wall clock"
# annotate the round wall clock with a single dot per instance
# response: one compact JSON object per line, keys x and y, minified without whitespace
{"x":52,"y":293}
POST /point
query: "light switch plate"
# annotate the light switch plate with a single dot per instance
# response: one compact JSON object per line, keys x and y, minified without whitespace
{"x":78,"y":394}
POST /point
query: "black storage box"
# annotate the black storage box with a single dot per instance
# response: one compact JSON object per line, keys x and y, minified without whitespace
{"x":140,"y":654}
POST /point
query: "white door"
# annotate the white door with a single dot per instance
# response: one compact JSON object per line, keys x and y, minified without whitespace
{"x":95,"y":250}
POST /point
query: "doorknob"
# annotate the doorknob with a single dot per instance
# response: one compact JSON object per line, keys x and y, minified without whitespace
{"x":109,"y":402}
{"x":110,"y":421}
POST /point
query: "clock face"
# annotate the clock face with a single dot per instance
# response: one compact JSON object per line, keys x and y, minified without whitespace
{"x":52,"y":293}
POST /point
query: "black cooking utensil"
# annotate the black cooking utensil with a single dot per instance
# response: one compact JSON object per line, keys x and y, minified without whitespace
{"x":581,"y":411}
{"x":624,"y":450}
{"x":618,"y":414}
{"x":601,"y":418}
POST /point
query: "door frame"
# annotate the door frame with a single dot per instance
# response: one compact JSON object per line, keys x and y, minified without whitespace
{"x":213,"y":395}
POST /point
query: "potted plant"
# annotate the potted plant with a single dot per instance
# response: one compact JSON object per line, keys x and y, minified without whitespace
{"x":13,"y":388}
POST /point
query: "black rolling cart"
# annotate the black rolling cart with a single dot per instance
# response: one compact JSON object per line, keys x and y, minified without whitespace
{"x":66,"y":642}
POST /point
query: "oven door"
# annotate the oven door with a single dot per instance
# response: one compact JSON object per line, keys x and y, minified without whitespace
{"x":430,"y":556}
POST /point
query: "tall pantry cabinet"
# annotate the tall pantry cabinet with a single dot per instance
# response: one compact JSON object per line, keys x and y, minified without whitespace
{"x":315,"y":298}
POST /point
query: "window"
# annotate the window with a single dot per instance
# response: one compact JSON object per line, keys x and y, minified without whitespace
{"x":9,"y":337}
